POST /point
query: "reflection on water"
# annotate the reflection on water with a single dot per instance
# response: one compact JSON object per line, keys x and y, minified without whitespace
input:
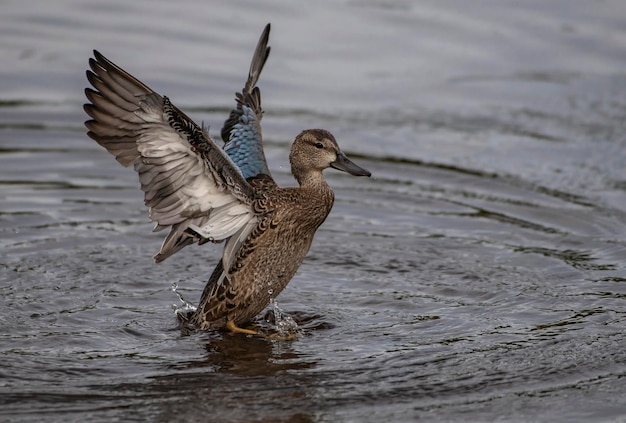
{"x":479,"y":275}
{"x":235,"y":372}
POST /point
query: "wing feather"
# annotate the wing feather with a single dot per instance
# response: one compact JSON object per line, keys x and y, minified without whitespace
{"x":242,"y":130}
{"x":189,"y":183}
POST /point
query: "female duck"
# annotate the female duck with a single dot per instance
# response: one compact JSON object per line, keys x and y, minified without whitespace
{"x":205,"y":193}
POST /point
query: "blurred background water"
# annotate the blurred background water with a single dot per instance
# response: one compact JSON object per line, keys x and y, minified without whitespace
{"x":478,"y":276}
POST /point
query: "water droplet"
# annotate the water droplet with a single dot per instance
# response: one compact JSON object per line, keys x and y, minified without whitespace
{"x":285,"y":325}
{"x":184,"y":307}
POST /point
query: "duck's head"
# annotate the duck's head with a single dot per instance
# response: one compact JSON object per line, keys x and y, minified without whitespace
{"x":315,"y":150}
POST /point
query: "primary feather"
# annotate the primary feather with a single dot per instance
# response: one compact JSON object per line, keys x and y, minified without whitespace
{"x":189,"y":183}
{"x":242,"y":129}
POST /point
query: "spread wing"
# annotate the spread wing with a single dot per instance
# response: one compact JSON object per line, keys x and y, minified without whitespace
{"x":242,"y":129}
{"x":189,"y":183}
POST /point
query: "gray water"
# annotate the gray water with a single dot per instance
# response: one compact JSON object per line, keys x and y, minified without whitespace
{"x":479,"y":275}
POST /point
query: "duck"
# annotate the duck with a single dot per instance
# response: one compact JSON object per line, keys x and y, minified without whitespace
{"x":203,"y":192}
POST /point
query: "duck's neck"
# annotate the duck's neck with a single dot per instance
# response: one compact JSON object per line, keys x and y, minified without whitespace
{"x":318,"y":198}
{"x":310,"y":179}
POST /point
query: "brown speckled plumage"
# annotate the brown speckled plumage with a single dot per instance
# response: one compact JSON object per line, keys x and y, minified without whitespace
{"x":270,"y":256}
{"x":206,"y":193}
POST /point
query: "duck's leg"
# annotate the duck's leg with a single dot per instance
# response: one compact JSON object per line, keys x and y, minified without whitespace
{"x":232,"y":326}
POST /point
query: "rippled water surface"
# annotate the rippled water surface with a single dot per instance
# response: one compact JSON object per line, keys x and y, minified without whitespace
{"x":479,"y":275}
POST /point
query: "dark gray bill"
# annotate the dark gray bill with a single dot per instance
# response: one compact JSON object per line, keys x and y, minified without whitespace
{"x":345,"y":164}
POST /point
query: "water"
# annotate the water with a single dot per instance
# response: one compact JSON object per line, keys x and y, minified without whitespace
{"x":478,"y":276}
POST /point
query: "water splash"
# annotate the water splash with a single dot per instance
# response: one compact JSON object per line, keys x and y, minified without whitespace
{"x":183,"y":309}
{"x":284,"y":323}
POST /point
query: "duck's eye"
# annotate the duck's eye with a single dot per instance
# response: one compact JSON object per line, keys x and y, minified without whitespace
{"x":319,"y":145}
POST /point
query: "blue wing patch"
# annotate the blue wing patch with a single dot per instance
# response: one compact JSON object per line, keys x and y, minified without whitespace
{"x":242,"y":129}
{"x":245,"y":147}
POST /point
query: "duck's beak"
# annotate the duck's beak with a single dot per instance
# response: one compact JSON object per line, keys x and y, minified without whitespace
{"x":345,"y":164}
